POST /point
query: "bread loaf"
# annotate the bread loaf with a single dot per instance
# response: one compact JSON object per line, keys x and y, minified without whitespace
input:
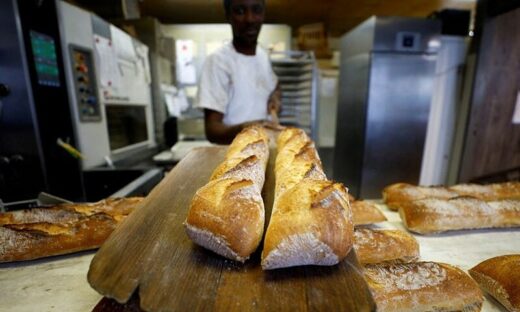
{"x":398,"y":193}
{"x":437,"y":215}
{"x":66,"y":228}
{"x":364,"y":212}
{"x":422,"y":286}
{"x":500,"y":277}
{"x":227,"y":215}
{"x":377,"y":246}
{"x":311,"y":220}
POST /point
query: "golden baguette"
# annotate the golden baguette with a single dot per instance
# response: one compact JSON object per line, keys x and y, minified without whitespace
{"x":422,"y":286}
{"x":436,"y":215}
{"x":66,"y":228}
{"x":377,"y":246}
{"x":227,"y":215}
{"x":500,"y":277}
{"x":396,"y":194}
{"x":311,"y":220}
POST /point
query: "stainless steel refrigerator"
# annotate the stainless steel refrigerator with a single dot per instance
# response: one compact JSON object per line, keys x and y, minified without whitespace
{"x":387,"y":73}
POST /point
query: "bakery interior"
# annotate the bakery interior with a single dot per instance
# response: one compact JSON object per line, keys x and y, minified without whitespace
{"x":411,"y":99}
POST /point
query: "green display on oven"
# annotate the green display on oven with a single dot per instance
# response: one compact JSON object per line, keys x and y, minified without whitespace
{"x":45,"y":59}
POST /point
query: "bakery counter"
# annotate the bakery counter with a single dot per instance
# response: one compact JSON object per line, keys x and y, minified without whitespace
{"x":51,"y":284}
{"x":60,"y":284}
{"x":464,"y":249}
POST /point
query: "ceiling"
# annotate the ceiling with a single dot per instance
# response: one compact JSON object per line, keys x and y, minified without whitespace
{"x":339,"y":16}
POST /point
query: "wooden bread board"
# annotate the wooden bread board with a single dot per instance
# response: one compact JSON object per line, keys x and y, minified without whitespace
{"x":150,"y":254}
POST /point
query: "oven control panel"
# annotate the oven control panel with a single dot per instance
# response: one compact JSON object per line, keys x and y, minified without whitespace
{"x":85,"y":84}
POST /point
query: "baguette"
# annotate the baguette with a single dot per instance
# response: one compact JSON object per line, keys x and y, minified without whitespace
{"x":311,"y":221}
{"x":500,"y":277}
{"x":227,"y":215}
{"x":422,"y":286}
{"x":42,"y":232}
{"x":364,"y":212}
{"x":377,"y":246}
{"x":435,"y":215}
{"x":398,"y":193}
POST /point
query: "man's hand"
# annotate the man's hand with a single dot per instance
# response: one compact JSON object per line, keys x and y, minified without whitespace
{"x":274,"y":103}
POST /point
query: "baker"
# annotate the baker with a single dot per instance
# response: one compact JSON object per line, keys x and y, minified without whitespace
{"x":237,"y":85}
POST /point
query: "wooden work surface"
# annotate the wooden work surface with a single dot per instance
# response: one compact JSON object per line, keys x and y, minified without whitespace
{"x":151,"y":254}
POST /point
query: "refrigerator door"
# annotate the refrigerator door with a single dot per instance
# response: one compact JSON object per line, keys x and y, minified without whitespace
{"x":400,"y":91}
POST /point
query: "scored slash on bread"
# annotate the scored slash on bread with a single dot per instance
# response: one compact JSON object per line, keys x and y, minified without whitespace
{"x":310,"y":226}
{"x":227,"y":214}
{"x":311,"y":221}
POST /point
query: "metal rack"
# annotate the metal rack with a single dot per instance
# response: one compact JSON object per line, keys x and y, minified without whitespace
{"x":298,"y":77}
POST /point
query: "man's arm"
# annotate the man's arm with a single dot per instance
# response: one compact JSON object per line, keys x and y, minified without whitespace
{"x":217,"y":131}
{"x":275,"y":100}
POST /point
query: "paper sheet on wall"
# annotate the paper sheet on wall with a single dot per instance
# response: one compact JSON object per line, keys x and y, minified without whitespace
{"x":106,"y":63}
{"x":142,"y":54}
{"x":186,"y":73}
{"x":123,"y":44}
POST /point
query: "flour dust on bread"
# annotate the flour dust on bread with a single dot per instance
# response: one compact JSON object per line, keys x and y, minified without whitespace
{"x":311,"y":220}
{"x":397,"y":194}
{"x":227,"y":214}
{"x":49,"y":231}
{"x":433,"y":215}
{"x":422,"y":286}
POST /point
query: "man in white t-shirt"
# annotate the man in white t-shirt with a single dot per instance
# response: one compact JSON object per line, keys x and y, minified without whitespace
{"x":237,"y":85}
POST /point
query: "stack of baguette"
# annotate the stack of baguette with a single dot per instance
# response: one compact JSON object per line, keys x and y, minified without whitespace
{"x":437,"y":209}
{"x":311,"y":220}
{"x":227,"y":215}
{"x":66,"y":228}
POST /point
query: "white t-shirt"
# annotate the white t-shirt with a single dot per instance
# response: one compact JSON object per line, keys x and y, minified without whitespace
{"x":236,"y":84}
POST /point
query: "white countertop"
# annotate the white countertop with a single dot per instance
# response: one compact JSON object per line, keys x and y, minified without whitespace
{"x":60,"y":283}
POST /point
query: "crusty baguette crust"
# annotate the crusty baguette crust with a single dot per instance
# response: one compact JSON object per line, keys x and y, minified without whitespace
{"x":227,"y":214}
{"x":500,"y":277}
{"x":377,"y":246}
{"x":364,"y":212}
{"x":396,"y":194}
{"x":435,"y":215}
{"x":422,"y":286}
{"x":311,"y":225}
{"x":230,"y":212}
{"x":42,"y":232}
{"x":311,"y":220}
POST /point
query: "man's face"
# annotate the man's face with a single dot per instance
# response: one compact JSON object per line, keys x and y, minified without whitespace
{"x":246,"y":18}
